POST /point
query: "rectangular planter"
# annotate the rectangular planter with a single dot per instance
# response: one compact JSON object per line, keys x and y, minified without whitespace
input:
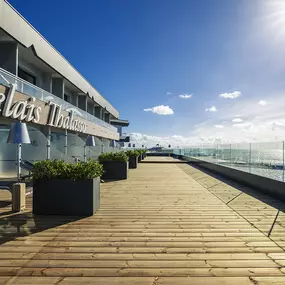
{"x":133,"y":162}
{"x":115,"y":169}
{"x":140,"y":158}
{"x":66,"y":197}
{"x":144,"y":155}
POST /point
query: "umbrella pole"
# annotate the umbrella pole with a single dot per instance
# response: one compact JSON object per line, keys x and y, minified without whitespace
{"x":19,"y":156}
{"x":85,"y":153}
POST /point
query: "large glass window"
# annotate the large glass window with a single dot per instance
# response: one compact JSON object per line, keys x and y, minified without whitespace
{"x":27,"y":76}
{"x":67,"y":98}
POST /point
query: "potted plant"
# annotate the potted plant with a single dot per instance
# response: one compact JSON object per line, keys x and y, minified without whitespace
{"x":61,"y":188}
{"x":144,"y":153}
{"x":140,"y":155}
{"x":133,"y":158}
{"x":115,"y":165}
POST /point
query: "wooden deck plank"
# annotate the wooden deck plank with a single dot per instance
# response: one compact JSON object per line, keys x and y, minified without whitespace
{"x":166,"y":224}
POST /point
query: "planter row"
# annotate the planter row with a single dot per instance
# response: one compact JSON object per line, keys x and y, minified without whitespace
{"x":76,"y":198}
{"x":119,"y":169}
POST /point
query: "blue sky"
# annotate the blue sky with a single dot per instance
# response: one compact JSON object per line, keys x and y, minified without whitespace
{"x":145,"y":53}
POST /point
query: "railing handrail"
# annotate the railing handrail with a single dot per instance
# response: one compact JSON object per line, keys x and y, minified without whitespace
{"x":261,"y":158}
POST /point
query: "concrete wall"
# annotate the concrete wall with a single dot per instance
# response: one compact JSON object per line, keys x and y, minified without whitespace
{"x":9,"y":56}
{"x":90,"y":108}
{"x":265,"y":185}
{"x":74,"y":99}
{"x":107,"y":117}
{"x":47,"y":82}
{"x":41,"y":79}
{"x":119,"y":128}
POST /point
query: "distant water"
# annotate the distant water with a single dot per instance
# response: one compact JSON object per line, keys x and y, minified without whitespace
{"x":263,"y":161}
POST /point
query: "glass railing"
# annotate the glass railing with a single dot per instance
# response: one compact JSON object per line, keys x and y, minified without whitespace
{"x":70,"y":149}
{"x":25,"y":87}
{"x":260,"y":158}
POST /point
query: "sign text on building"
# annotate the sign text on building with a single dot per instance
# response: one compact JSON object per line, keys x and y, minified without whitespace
{"x":27,"y":110}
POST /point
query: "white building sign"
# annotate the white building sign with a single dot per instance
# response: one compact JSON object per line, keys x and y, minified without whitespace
{"x":30,"y":112}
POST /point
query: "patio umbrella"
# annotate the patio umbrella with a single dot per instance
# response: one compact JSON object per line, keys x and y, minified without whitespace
{"x":113,"y":143}
{"x":19,"y":134}
{"x":90,"y":141}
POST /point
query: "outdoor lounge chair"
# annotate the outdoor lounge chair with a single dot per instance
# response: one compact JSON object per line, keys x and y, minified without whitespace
{"x":25,"y":164}
{"x":6,"y":185}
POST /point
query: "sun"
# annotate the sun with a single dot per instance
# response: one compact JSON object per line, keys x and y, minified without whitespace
{"x":273,"y":19}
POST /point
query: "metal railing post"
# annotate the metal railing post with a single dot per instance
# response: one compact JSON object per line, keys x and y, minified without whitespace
{"x":249,"y":158}
{"x":85,"y":155}
{"x":283,"y":161}
{"x":48,"y":142}
{"x":230,"y":155}
{"x":65,"y":142}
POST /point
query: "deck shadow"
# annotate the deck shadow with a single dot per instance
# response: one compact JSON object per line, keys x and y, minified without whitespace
{"x":4,"y":204}
{"x":24,"y":224}
{"x":265,"y":198}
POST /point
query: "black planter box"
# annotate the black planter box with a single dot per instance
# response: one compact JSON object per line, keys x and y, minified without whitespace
{"x":133,"y":162}
{"x":140,"y":158}
{"x":144,"y":155}
{"x":115,"y":169}
{"x":66,"y":197}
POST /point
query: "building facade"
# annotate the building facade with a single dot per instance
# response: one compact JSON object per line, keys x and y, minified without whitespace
{"x":40,"y":87}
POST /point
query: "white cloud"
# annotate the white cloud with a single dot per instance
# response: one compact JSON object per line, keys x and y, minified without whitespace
{"x":185,"y":96}
{"x":262,"y":103}
{"x":175,"y":140}
{"x":168,"y":93}
{"x":243,"y":126}
{"x":262,"y":125}
{"x":160,"y":110}
{"x":237,"y":120}
{"x":219,"y":126}
{"x":232,"y":95}
{"x":212,"y":109}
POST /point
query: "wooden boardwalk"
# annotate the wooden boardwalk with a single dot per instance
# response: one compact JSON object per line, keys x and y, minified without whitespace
{"x":167,"y":224}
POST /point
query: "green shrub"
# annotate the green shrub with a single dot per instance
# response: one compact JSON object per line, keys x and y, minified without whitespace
{"x":58,"y":169}
{"x":132,"y":153}
{"x":113,"y":156}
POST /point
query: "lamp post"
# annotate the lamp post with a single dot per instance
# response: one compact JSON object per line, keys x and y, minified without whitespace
{"x":89,"y":142}
{"x":19,"y":134}
{"x":102,"y":146}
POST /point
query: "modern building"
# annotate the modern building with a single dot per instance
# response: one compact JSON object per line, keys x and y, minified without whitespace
{"x":41,"y":88}
{"x":119,"y":124}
